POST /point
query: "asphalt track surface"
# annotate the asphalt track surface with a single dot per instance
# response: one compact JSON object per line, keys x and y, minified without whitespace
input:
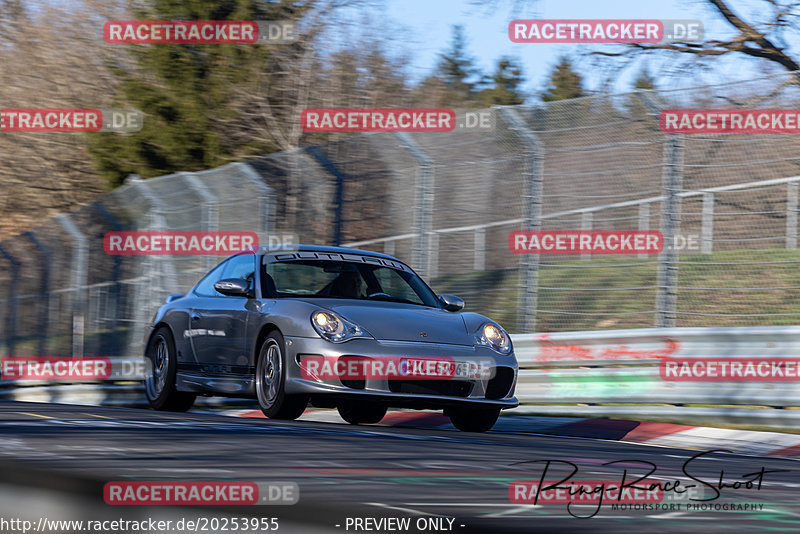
{"x":55,"y":459}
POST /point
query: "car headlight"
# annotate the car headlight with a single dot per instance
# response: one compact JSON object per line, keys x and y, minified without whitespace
{"x":494,"y":337}
{"x":335,"y":328}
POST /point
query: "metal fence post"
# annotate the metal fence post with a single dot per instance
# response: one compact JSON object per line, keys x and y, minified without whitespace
{"x":479,"y":241}
{"x":671,"y":184}
{"x":44,"y":292}
{"x":210,"y":210}
{"x":672,"y":178}
{"x":587,"y":222}
{"x":423,"y":257}
{"x":532,"y":173}
{"x":708,"y":224}
{"x":644,"y":222}
{"x":13,"y":303}
{"x":338,"y":205}
{"x":147,"y":298}
{"x":115,"y":342}
{"x":267,"y":195}
{"x":80,"y":275}
{"x":791,"y":215}
{"x":433,"y":255}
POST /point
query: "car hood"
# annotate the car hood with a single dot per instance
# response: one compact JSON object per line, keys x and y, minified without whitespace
{"x":403,"y":322}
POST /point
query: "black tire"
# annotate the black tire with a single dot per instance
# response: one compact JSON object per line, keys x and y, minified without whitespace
{"x":361,"y":412}
{"x":159,"y":383}
{"x":271,"y":381}
{"x":473,"y":419}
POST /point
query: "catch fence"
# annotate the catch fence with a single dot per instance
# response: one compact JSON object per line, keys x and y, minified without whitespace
{"x":446,"y":202}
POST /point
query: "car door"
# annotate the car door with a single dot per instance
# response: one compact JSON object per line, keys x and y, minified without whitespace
{"x":219,"y":322}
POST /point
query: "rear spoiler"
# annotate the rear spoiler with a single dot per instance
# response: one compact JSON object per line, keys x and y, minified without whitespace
{"x":176,"y":296}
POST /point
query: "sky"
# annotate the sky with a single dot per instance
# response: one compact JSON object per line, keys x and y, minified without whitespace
{"x":423,"y":29}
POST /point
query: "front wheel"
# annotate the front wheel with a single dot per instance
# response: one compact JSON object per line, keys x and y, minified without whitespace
{"x":159,"y":380}
{"x":271,"y":381}
{"x":361,"y":412}
{"x":473,"y":419}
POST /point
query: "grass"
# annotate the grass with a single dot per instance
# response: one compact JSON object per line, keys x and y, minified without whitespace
{"x":726,"y":288}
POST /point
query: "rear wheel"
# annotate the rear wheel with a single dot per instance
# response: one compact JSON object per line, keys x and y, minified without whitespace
{"x":159,"y":381}
{"x":271,"y":381}
{"x":361,"y":412}
{"x":473,"y":419}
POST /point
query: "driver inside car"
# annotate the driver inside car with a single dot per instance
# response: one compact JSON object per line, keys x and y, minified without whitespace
{"x":347,"y":285}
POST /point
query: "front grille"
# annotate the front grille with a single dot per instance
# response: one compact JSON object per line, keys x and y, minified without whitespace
{"x":448,"y":388}
{"x":500,"y":385}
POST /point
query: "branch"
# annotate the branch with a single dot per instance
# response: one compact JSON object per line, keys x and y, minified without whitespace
{"x":765,"y":48}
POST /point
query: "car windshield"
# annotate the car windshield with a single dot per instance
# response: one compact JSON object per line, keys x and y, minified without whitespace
{"x":345,"y":280}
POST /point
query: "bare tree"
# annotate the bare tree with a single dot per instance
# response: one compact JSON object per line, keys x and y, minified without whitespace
{"x":762,"y":39}
{"x":51,"y":59}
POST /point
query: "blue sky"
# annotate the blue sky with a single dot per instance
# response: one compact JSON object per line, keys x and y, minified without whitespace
{"x":423,"y":29}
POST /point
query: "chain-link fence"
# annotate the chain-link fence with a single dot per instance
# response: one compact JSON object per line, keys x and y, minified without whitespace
{"x":446,"y":202}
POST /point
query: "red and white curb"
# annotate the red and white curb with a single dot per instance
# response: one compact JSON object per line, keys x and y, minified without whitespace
{"x":660,"y":434}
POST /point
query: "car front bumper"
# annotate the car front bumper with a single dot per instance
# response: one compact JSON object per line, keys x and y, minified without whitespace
{"x":496,"y":390}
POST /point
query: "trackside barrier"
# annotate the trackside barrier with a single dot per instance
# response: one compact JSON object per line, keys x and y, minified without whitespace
{"x":123,"y":387}
{"x":647,"y":346}
{"x":574,"y":373}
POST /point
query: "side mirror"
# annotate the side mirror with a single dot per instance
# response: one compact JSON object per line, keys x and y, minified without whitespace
{"x":451,"y":302}
{"x":233,"y":287}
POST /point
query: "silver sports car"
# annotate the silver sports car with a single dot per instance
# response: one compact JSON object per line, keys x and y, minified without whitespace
{"x":336,"y":327}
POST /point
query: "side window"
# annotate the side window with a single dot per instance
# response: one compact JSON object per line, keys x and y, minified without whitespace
{"x":243,"y":266}
{"x":237,"y":267}
{"x":206,"y":286}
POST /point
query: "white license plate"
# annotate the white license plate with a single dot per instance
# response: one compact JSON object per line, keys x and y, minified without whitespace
{"x":431,"y":368}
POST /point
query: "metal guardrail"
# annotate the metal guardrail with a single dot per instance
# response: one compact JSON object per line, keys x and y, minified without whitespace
{"x":575,"y":373}
{"x":650,"y":345}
